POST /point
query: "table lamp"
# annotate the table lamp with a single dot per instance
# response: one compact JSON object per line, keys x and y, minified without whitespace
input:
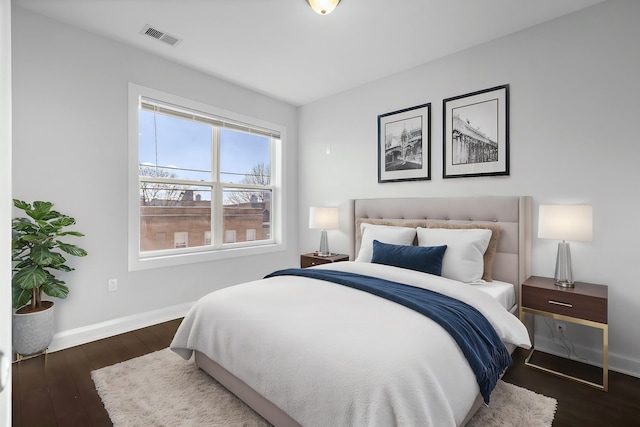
{"x":323,"y":219}
{"x":565,"y":222}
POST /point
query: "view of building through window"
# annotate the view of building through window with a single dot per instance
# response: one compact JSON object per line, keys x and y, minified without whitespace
{"x":202,"y":182}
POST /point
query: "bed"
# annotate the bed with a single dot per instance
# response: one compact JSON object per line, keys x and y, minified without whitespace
{"x":301,"y":351}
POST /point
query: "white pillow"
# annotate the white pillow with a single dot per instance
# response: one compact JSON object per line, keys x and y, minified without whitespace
{"x":463,"y":259}
{"x":384,"y":234}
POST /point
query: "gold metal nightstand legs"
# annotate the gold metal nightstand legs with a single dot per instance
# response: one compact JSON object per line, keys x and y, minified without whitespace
{"x":605,"y":347}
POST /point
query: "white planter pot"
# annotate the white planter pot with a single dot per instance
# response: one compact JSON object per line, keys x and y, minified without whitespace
{"x":32,"y":332}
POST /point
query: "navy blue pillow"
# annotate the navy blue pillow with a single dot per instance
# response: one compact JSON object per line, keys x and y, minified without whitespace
{"x":427,"y":259}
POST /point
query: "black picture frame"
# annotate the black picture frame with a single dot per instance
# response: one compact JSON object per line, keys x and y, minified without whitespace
{"x":402,"y":153}
{"x":475,"y":134}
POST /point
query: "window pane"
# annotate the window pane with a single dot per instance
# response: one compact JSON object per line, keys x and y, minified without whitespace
{"x":247,"y":213}
{"x":171,"y":147}
{"x":174,"y":216}
{"x":160,"y":194}
{"x":181,"y":239}
{"x":230,"y":236}
{"x":244,"y":158}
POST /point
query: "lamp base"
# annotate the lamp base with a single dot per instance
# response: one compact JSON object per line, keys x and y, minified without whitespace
{"x":324,"y":244}
{"x":565,"y":284}
{"x":564,"y":272}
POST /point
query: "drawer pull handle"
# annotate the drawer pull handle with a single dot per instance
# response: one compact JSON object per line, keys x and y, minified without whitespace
{"x":564,"y":304}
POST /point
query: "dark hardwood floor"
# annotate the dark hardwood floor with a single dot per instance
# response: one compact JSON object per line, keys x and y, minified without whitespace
{"x":57,"y":390}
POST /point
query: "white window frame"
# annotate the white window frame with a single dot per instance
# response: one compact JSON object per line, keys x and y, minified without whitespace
{"x":218,"y":250}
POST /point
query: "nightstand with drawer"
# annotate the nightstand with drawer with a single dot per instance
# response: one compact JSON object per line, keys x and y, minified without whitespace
{"x":585,"y":304}
{"x":309,"y":260}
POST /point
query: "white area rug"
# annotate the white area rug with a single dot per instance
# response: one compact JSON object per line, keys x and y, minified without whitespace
{"x":162,"y":389}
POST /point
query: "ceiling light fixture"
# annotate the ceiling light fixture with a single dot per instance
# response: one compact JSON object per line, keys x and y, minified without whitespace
{"x":323,"y":7}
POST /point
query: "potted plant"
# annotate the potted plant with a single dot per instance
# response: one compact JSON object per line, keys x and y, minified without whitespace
{"x":37,"y":253}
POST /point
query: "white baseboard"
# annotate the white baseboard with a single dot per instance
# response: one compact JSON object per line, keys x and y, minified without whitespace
{"x":97,"y":331}
{"x":592,"y":356}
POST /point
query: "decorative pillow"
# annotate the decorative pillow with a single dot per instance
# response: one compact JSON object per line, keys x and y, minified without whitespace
{"x":385,"y":234}
{"x":463,"y":260}
{"x":491,"y":249}
{"x":408,"y":223}
{"x":427,"y":259}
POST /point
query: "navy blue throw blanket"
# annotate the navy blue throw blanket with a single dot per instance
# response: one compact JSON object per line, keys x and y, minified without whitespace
{"x":481,"y":345}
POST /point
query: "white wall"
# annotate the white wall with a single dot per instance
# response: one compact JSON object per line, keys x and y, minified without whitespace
{"x":574,"y":87}
{"x":70,"y":147}
{"x":5,"y":209}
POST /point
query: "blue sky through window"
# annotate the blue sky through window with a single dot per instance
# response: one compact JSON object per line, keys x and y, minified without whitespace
{"x":240,"y":152}
{"x":183,"y":147}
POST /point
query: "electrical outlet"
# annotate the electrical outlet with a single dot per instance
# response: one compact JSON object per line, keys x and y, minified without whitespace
{"x":560,"y":327}
{"x":113,"y":285}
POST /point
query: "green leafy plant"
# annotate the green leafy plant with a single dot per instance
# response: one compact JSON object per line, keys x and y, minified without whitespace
{"x":37,"y":253}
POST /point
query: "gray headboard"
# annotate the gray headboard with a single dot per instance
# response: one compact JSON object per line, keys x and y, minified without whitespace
{"x":512,"y":262}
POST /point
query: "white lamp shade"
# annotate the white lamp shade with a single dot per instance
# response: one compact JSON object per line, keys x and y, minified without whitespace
{"x":323,"y":7}
{"x":565,"y":222}
{"x":323,"y":218}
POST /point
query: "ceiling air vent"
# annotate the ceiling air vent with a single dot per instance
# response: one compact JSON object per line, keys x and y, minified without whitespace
{"x":157,"y":34}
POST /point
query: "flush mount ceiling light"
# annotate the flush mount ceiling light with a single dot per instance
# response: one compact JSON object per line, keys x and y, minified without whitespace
{"x":323,"y":7}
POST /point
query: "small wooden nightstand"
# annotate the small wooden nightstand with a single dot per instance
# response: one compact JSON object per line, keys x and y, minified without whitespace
{"x":309,"y":260}
{"x":585,"y":304}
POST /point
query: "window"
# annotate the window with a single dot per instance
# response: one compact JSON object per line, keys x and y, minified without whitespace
{"x":207,"y":177}
{"x":180,"y":239}
{"x":230,"y":236}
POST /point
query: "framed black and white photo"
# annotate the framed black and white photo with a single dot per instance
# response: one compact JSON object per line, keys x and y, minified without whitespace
{"x":404,"y":144}
{"x":476,"y":134}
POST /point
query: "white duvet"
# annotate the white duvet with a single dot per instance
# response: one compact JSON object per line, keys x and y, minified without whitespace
{"x":329,"y":355}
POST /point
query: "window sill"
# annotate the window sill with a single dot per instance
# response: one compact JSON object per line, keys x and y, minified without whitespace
{"x":137,"y":263}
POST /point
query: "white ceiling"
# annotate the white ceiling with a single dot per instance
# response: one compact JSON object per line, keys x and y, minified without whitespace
{"x":285,"y":50}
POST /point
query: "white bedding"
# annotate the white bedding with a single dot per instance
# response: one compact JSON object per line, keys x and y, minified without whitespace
{"x":327,"y":354}
{"x":502,"y":292}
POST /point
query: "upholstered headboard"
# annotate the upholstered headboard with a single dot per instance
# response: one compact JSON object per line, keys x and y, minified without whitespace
{"x":512,"y":261}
